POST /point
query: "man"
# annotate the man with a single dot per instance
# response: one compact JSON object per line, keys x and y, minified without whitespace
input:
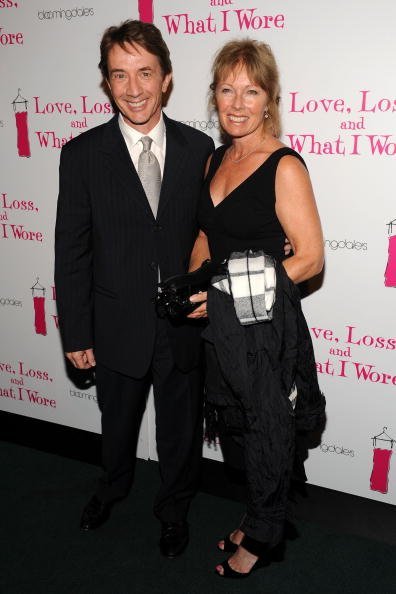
{"x":127,"y":213}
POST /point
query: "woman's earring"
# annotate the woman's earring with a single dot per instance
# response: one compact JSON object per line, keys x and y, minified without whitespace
{"x":266,"y":115}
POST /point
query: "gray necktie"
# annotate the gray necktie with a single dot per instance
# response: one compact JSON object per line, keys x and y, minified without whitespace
{"x":149,"y":172}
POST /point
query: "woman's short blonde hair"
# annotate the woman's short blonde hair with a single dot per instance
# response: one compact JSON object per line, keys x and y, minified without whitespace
{"x":259,"y":61}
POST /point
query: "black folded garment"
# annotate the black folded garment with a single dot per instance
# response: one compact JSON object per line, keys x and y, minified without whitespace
{"x":173,"y":297}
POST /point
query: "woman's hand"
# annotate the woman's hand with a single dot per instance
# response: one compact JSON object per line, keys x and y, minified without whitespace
{"x":199,"y":312}
{"x":287,"y":247}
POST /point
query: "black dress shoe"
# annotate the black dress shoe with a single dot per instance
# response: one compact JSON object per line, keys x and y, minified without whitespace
{"x":95,"y":513}
{"x":174,"y":538}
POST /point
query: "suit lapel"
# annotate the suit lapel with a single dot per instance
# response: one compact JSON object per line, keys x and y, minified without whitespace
{"x":120,"y":164}
{"x":176,"y":154}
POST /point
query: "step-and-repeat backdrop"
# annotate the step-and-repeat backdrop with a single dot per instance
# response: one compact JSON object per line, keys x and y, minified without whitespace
{"x":338,"y":102}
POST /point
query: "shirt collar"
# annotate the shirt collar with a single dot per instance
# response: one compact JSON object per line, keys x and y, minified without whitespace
{"x":133,"y":136}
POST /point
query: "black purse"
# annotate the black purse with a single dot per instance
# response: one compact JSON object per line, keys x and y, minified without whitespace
{"x":173,"y":297}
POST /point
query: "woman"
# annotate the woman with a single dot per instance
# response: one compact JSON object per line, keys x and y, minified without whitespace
{"x":257,"y":192}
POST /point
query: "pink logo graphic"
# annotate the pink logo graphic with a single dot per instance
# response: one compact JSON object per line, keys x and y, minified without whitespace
{"x":381,"y":462}
{"x":21,"y":121}
{"x":38,"y":293}
{"x":390,"y":271}
{"x":146,"y":11}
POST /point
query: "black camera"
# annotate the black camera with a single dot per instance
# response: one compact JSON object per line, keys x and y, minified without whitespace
{"x":173,"y":297}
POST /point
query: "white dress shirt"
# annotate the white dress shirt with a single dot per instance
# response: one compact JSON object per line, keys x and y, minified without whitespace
{"x":132,"y":138}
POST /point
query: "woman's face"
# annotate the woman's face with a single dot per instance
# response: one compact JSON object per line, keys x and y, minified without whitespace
{"x":241,"y":104}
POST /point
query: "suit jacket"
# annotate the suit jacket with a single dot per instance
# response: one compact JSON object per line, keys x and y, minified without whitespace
{"x":108,"y":245}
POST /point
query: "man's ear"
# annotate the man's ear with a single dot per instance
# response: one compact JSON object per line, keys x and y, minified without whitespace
{"x":166,"y":82}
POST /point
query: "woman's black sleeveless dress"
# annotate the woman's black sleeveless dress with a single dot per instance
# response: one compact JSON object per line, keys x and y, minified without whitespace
{"x":246,"y":219}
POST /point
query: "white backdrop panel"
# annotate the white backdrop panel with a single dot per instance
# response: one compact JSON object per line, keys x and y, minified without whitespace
{"x":338,"y":105}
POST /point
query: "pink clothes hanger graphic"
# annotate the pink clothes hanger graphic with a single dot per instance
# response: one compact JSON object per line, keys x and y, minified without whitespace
{"x":381,"y":461}
{"x":21,"y":121}
{"x":38,"y":293}
{"x":390,"y":272}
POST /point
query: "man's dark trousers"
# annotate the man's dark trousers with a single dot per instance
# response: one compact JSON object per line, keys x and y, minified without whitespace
{"x":178,"y":410}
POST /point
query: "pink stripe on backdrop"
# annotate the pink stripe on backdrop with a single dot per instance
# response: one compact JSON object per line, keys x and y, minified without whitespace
{"x":146,"y":11}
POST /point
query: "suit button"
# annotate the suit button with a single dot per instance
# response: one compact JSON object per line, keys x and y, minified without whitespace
{"x":153,"y":265}
{"x":157,"y":228}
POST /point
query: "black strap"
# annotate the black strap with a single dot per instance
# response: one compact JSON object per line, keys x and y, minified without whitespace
{"x":253,"y":546}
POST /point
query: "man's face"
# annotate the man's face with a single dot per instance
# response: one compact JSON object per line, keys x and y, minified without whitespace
{"x":137,"y":83}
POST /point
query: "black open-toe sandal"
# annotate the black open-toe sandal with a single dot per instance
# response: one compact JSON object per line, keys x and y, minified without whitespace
{"x":231,"y":573}
{"x":229,"y":546}
{"x":259,"y":549}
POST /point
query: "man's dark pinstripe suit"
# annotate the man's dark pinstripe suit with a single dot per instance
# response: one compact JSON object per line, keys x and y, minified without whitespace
{"x":108,"y":249}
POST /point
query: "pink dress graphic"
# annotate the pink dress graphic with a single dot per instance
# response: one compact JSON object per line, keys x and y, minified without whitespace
{"x":38,"y":292}
{"x":39,"y":315}
{"x":381,"y":463}
{"x":390,"y":272}
{"x":146,"y":11}
{"x":380,"y":471}
{"x":21,"y":122}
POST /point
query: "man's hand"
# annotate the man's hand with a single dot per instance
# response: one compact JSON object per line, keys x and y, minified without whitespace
{"x":199,"y":312}
{"x":82,"y":359}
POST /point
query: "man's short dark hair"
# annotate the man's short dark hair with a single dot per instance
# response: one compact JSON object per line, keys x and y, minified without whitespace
{"x":136,"y":33}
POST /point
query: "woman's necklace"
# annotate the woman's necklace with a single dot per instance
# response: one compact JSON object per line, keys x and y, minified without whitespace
{"x":247,"y":154}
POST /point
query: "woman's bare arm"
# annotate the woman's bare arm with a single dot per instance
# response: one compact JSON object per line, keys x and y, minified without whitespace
{"x":297,"y":212}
